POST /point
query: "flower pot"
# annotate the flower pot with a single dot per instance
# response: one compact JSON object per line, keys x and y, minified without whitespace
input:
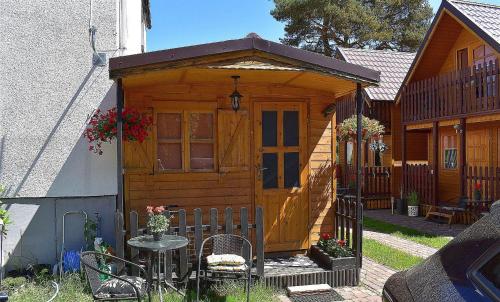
{"x":157,"y":236}
{"x":477,"y":195}
{"x":413,"y":211}
{"x":330,"y":263}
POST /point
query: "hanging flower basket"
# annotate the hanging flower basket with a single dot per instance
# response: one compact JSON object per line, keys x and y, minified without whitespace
{"x":378,"y":146}
{"x":103,"y":127}
{"x":371,"y":129}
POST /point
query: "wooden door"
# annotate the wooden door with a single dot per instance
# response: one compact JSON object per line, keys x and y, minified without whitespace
{"x":478,"y":148}
{"x":280,"y":176}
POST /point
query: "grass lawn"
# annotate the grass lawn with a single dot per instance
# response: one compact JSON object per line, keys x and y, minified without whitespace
{"x":405,"y":233}
{"x":74,"y":289}
{"x":388,"y":256}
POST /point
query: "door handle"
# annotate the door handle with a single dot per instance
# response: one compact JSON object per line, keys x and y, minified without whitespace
{"x":259,"y":171}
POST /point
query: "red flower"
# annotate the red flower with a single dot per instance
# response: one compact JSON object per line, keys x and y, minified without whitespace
{"x":341,"y":243}
{"x":103,"y":127}
{"x":477,"y":186}
{"x":149,"y":209}
{"x":326,"y":236}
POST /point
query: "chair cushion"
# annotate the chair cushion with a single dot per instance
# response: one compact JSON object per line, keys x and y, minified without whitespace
{"x":115,"y":288}
{"x":228,"y":268}
{"x":225,"y":260}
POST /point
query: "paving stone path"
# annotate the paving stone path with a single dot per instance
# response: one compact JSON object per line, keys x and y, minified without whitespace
{"x":417,"y":223}
{"x":401,"y":244}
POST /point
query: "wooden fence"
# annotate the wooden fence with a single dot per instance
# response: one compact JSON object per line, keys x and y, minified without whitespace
{"x":419,"y":178}
{"x":202,"y":228}
{"x":349,"y":223}
{"x":459,"y":93}
{"x":375,"y":185}
{"x":488,"y":177}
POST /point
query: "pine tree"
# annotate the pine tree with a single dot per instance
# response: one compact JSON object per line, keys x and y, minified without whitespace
{"x":320,"y":25}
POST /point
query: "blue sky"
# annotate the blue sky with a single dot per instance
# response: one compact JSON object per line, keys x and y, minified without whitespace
{"x":186,"y":22}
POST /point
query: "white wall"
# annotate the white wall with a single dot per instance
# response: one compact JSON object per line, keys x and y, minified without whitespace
{"x":48,"y":89}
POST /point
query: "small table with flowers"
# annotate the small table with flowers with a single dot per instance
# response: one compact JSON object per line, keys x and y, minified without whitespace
{"x":147,"y":244}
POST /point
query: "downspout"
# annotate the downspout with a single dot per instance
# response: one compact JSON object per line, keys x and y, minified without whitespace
{"x":359,"y":205}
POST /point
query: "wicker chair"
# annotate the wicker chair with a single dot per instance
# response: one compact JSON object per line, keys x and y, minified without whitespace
{"x":225,"y":244}
{"x":89,"y":262}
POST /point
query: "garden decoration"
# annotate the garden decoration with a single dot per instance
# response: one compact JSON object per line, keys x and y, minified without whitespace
{"x":371,"y":129}
{"x":477,"y":191}
{"x":379,"y":146}
{"x":158,"y":223}
{"x":413,"y":204}
{"x":103,"y":127}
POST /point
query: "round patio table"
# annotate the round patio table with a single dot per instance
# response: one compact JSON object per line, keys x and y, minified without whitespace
{"x":149,"y":245}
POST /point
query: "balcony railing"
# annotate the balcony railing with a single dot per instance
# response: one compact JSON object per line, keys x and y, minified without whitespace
{"x":462,"y":93}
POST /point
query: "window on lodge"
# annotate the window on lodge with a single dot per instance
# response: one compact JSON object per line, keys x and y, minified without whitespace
{"x":185,"y":141}
{"x":450,"y":151}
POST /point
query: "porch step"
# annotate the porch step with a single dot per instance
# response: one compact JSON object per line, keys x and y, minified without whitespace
{"x":308,"y":289}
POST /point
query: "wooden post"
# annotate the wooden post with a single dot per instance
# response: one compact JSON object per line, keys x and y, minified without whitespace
{"x":359,"y":206}
{"x":259,"y":234}
{"x":404,"y":184}
{"x":119,"y":245}
{"x":463,"y":156}
{"x":435,"y":160}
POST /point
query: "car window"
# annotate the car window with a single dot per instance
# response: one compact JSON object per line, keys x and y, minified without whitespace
{"x":485,"y":272}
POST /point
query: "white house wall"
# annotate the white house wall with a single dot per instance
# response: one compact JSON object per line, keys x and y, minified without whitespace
{"x":49,"y":88}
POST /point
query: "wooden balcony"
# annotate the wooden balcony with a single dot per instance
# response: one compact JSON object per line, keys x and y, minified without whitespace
{"x":464,"y":93}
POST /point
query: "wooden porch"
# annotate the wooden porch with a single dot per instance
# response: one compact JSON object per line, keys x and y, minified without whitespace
{"x":277,"y":270}
{"x":464,"y":93}
{"x":421,"y":179}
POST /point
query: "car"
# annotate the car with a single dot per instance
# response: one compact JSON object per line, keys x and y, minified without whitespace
{"x":466,"y":269}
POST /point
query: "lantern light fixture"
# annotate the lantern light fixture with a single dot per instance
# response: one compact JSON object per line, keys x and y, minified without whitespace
{"x":235,"y":96}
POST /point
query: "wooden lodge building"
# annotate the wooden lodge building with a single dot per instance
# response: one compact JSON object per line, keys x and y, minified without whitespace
{"x":451,"y":96}
{"x":381,"y":170}
{"x":276,"y":151}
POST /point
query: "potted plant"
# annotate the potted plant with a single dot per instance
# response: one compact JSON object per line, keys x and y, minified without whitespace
{"x":158,"y":223}
{"x":477,"y":191}
{"x":413,"y":204}
{"x":103,"y":127}
{"x":332,"y":253}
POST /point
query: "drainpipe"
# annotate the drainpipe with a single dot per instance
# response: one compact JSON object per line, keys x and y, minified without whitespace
{"x":359,"y":205}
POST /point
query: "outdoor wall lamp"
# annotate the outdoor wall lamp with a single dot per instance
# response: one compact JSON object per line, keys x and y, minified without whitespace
{"x":235,"y":96}
{"x":458,"y":128}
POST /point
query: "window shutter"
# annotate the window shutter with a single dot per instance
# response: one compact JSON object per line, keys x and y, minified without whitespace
{"x":138,"y":157}
{"x":233,"y":140}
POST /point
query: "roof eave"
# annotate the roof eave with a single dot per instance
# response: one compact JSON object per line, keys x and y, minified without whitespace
{"x":120,"y":65}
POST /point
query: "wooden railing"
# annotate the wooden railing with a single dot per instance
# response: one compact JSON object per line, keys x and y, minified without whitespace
{"x":202,"y":228}
{"x":348,"y":223}
{"x":487,"y":177}
{"x":419,"y":178}
{"x":456,"y":94}
{"x":376,"y":181}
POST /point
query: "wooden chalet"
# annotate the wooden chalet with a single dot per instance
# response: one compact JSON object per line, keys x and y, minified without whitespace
{"x":451,"y":99}
{"x":381,"y":170}
{"x":276,"y":151}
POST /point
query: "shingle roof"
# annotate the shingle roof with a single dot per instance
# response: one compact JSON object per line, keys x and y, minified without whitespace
{"x":393,"y":66}
{"x":485,"y":16}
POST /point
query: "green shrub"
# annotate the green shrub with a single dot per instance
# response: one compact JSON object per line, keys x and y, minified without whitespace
{"x":413,"y":199}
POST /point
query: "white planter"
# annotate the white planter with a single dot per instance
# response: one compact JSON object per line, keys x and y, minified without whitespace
{"x":413,"y":211}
